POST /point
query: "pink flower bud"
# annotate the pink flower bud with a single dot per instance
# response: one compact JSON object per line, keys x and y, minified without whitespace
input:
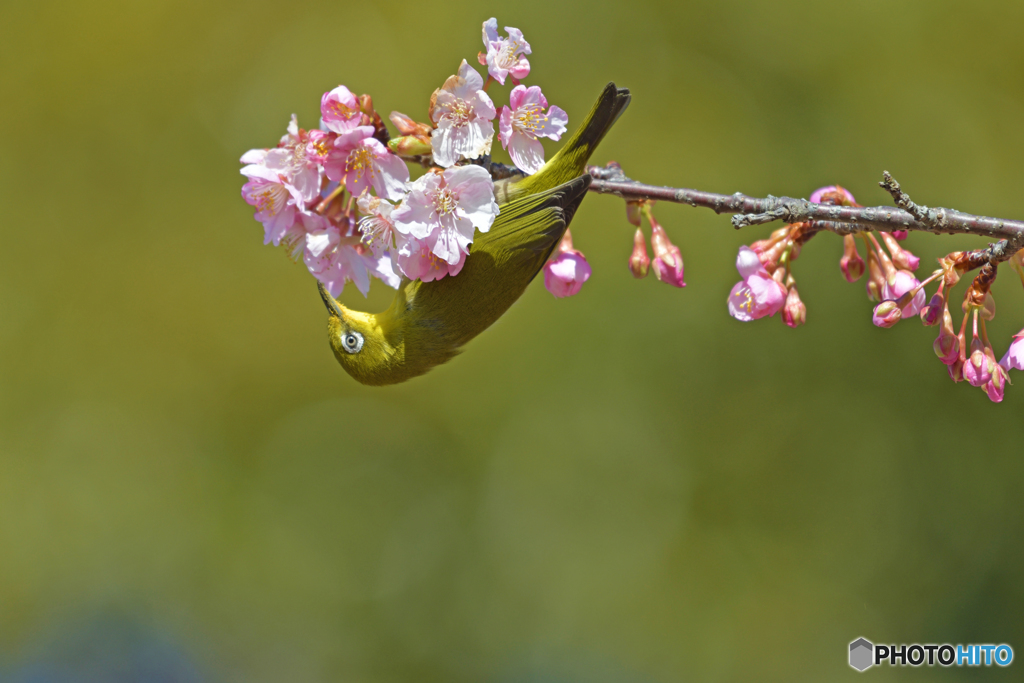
{"x":668,"y":260}
{"x":876,"y":279}
{"x":996,"y":387}
{"x":833,"y":194}
{"x":931,"y":313}
{"x":886,"y":314}
{"x":901,"y":258}
{"x":851,"y":263}
{"x":947,"y":348}
{"x":565,"y":274}
{"x":947,"y":344}
{"x":976,"y":370}
{"x":956,"y":370}
{"x":633,"y":213}
{"x":406,"y":126}
{"x":639,"y":263}
{"x":794,"y":313}
{"x":900,"y":235}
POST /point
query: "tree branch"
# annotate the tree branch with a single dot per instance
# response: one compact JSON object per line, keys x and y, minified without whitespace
{"x":839,"y":219}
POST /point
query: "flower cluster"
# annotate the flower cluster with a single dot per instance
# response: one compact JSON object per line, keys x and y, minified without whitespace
{"x":340,"y":196}
{"x":768,"y":286}
{"x":975,"y":362}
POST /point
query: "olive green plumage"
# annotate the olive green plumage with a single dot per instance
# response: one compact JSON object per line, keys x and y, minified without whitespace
{"x":429,"y":322}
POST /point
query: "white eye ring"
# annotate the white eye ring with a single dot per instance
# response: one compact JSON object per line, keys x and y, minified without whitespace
{"x":352,"y":342}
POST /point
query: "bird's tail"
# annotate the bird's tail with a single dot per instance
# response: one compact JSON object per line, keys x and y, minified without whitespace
{"x":571,"y":161}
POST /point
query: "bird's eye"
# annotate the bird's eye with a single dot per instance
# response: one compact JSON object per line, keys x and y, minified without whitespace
{"x":352,"y":342}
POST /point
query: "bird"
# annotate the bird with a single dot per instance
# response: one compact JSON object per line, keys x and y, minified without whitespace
{"x":428,"y":323}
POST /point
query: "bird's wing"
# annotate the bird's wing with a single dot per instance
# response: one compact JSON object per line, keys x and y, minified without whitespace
{"x":501,"y":263}
{"x":528,"y":229}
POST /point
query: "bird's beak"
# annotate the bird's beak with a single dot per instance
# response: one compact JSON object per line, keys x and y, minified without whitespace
{"x":332,"y":306}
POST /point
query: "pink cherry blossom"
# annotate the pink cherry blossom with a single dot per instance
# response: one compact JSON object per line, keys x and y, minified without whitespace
{"x":463,"y":113}
{"x":339,"y":110}
{"x":382,"y":267}
{"x":361,"y":161}
{"x":417,"y":262}
{"x":758,"y":294}
{"x":565,"y":274}
{"x":376,"y":227}
{"x":282,"y":181}
{"x":747,"y":262}
{"x":290,"y":161}
{"x":319,"y":145}
{"x":1014,"y":358}
{"x":899,"y":283}
{"x":443,"y":209}
{"x":335,"y":258}
{"x":521,"y":124}
{"x":276,"y":202}
{"x":505,"y":56}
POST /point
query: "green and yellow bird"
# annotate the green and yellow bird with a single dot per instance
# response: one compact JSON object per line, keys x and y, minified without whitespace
{"x":429,"y":322}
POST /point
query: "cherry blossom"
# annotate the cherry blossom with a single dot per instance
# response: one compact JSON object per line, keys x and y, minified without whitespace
{"x":899,"y":283}
{"x":377,"y":229}
{"x":417,"y":262}
{"x":361,"y":161}
{"x":339,"y":110}
{"x":276,"y":202}
{"x":335,"y":258}
{"x":1014,"y":358}
{"x":505,"y":56}
{"x":290,"y":161}
{"x":443,"y":209}
{"x":757,"y":295}
{"x":463,"y":113}
{"x":526,"y":120}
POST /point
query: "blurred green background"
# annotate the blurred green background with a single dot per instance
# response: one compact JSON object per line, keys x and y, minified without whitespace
{"x":627,"y":485}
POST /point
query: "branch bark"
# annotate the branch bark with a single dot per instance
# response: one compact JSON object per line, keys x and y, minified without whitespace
{"x":838,"y":219}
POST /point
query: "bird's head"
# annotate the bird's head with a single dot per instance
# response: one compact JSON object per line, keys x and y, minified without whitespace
{"x":361,"y":343}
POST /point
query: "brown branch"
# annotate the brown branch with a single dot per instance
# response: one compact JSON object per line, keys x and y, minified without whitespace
{"x":839,"y":219}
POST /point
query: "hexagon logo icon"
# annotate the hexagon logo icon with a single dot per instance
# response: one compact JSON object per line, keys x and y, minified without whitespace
{"x":861,"y":654}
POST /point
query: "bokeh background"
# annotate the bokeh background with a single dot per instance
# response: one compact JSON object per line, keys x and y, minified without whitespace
{"x":627,"y":485}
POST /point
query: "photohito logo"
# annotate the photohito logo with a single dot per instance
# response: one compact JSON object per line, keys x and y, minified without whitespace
{"x":865,"y":654}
